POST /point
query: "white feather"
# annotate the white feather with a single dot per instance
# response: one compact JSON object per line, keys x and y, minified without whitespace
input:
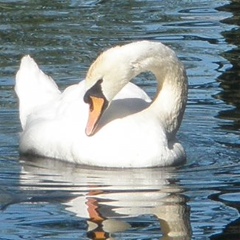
{"x":133,"y":132}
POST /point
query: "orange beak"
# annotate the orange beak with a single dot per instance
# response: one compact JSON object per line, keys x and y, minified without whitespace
{"x":97,"y":107}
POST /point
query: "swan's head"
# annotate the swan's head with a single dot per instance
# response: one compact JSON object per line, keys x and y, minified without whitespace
{"x":105,"y":78}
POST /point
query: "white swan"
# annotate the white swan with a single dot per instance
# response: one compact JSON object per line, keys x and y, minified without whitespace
{"x":105,"y":120}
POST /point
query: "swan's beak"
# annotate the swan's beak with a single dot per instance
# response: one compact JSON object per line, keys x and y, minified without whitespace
{"x":96,"y":109}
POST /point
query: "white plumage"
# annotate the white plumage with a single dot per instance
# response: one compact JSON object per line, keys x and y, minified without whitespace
{"x":131,"y":132}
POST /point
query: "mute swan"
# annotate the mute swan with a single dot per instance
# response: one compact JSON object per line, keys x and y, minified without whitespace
{"x":105,"y":120}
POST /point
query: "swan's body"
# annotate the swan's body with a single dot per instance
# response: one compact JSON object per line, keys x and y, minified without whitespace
{"x":132,"y":131}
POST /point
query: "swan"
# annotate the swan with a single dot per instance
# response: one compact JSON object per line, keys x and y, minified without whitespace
{"x":106,"y":120}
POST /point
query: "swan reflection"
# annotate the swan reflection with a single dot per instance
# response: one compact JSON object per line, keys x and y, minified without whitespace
{"x":107,"y":198}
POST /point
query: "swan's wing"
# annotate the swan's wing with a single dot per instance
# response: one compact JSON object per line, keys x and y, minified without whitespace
{"x":33,"y":87}
{"x":131,"y":90}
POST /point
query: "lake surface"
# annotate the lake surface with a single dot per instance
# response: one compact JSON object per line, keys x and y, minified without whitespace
{"x":47,"y":199}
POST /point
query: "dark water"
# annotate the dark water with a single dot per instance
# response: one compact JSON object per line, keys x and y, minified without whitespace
{"x":46,"y":199}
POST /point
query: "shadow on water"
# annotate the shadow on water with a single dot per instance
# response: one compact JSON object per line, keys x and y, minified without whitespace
{"x":109,"y":200}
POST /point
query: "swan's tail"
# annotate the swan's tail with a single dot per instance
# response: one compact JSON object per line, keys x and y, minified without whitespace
{"x":33,"y":88}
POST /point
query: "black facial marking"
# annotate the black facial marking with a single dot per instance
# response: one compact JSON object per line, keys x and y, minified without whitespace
{"x":95,"y":91}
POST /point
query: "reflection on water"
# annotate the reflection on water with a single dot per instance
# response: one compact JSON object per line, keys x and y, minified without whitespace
{"x":230,"y":79}
{"x":110,"y":199}
{"x":46,"y":199}
{"x":232,"y":230}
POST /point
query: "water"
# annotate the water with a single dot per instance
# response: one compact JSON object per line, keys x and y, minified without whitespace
{"x":46,"y":199}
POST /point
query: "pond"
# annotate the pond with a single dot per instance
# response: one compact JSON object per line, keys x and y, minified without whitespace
{"x":49,"y":199}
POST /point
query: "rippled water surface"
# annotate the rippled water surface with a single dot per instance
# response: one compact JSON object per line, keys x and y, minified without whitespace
{"x":46,"y":199}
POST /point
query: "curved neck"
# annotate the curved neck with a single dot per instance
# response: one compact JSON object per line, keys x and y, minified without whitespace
{"x":122,"y":63}
{"x":171,"y":97}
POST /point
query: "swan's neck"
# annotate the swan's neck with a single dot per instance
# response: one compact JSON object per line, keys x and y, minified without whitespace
{"x":171,"y":97}
{"x":121,"y":64}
